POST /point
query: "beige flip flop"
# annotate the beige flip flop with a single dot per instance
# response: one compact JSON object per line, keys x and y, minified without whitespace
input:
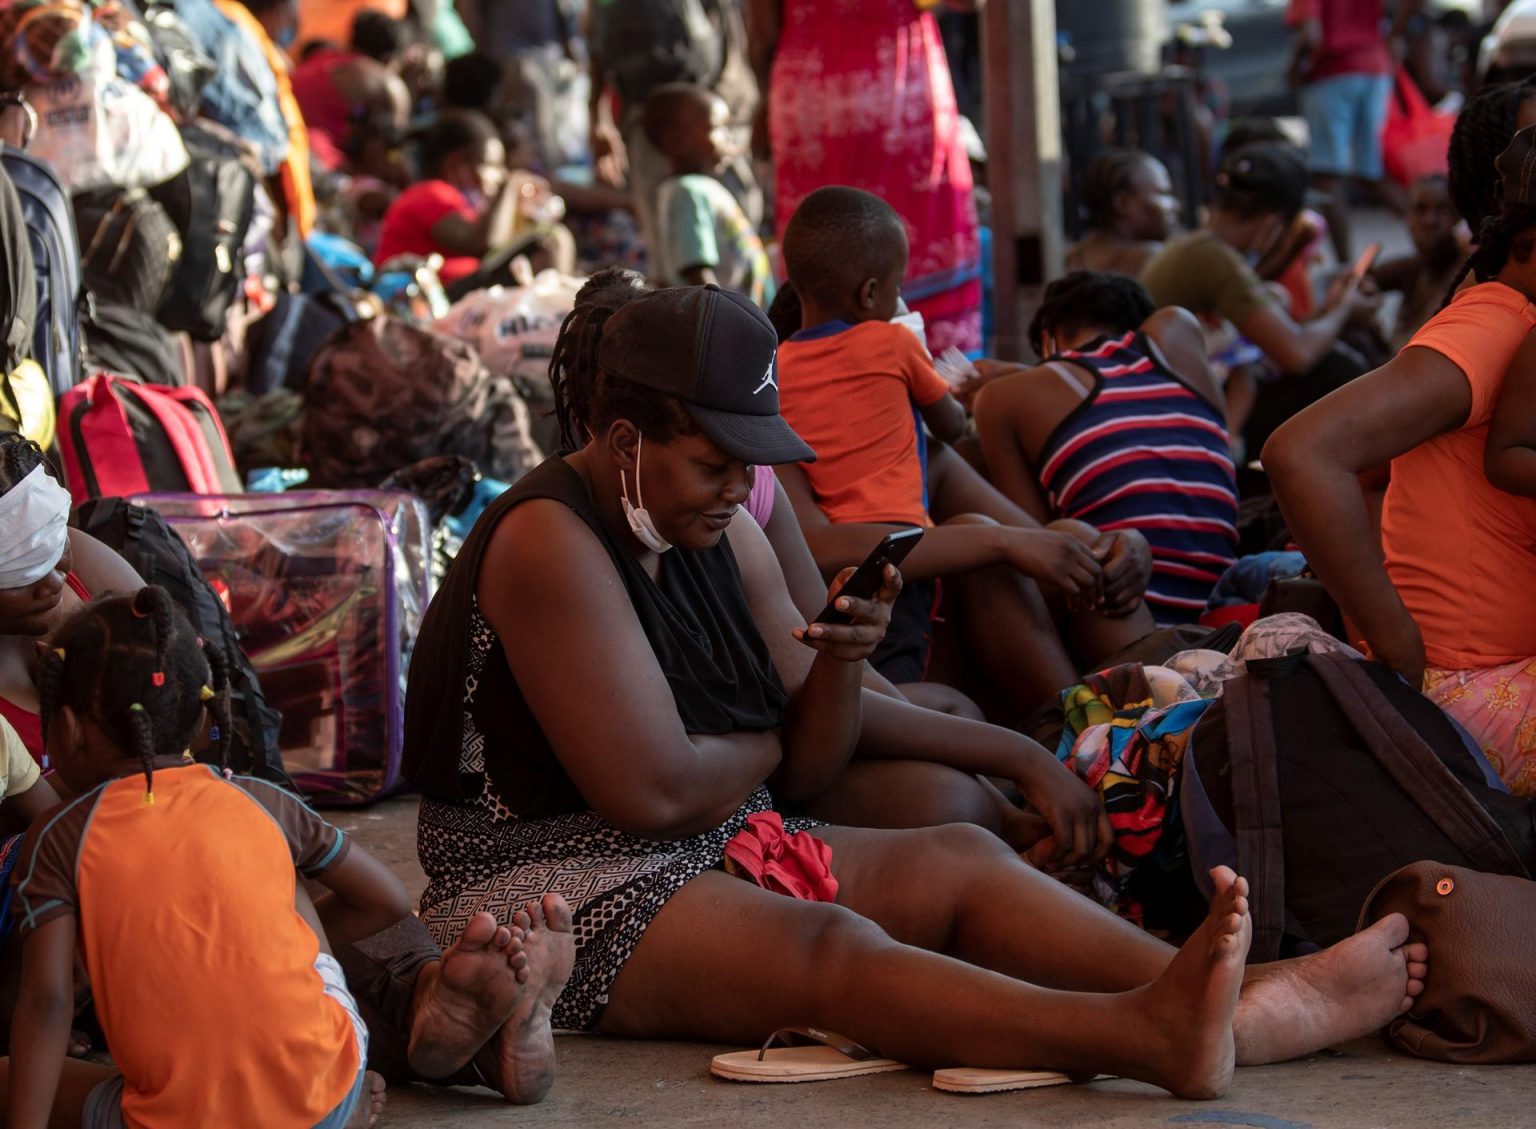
{"x":965,"y":1080}
{"x":820,"y":1057}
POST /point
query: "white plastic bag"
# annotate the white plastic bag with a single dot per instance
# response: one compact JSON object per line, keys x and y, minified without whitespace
{"x":100,"y":131}
{"x":515,"y":328}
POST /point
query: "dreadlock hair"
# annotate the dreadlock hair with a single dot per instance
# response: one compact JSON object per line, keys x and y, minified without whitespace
{"x":588,"y":398}
{"x":135,"y":667}
{"x":19,"y":457}
{"x":1509,"y":233}
{"x":1115,"y":303}
{"x":785,"y":313}
{"x":1104,"y":178}
{"x":838,"y":238}
{"x":1483,"y":130}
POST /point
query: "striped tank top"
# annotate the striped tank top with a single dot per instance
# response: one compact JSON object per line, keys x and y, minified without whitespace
{"x":1144,"y":451}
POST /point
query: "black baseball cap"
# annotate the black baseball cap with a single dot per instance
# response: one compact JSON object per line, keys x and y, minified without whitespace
{"x":716,"y":352}
{"x":1268,"y":176}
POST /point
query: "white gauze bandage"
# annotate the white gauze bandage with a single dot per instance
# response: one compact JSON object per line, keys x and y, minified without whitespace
{"x":34,"y":528}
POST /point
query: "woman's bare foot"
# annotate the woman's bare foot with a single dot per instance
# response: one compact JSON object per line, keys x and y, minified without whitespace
{"x":1358,"y":986}
{"x":1189,"y":1008}
{"x":463,"y":999}
{"x":370,"y":1105}
{"x":520,"y":1060}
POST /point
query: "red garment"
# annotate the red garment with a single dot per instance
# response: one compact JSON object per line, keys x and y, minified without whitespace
{"x":798,"y":865}
{"x":28,"y":725}
{"x":409,"y":222}
{"x":326,"y":112}
{"x":861,"y":96}
{"x":1354,"y":41}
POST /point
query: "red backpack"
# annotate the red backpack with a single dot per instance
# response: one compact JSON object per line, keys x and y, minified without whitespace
{"x":120,"y":438}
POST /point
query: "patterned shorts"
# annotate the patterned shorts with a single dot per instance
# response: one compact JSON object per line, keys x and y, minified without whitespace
{"x":1497,"y":706}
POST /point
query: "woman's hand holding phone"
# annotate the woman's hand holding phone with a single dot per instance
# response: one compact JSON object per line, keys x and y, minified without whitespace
{"x":855,"y":641}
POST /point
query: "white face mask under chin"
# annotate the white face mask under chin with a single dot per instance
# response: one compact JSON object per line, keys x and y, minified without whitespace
{"x":639,"y":518}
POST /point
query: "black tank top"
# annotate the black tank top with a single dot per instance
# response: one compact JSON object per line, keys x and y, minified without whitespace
{"x":694,"y":614}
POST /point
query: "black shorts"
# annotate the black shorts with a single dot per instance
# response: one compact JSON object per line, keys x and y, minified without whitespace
{"x":908,"y":645}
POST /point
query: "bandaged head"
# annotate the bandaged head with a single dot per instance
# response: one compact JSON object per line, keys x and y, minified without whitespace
{"x":34,"y":516}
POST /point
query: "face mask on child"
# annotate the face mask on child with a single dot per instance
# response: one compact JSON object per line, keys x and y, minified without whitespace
{"x":912,"y":320}
{"x":639,"y":518}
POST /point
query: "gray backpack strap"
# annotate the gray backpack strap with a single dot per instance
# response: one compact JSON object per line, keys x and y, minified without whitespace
{"x":1256,"y":810}
{"x":1404,"y":753}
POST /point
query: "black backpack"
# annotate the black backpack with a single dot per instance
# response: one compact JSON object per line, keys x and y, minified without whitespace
{"x":647,"y":43}
{"x":212,"y":204}
{"x":1316,"y":776}
{"x":280,"y":347}
{"x":130,"y":249}
{"x":59,"y":285}
{"x":142,"y":538}
{"x":130,"y":342}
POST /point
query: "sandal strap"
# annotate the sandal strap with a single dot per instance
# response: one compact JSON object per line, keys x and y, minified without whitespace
{"x":792,"y":1036}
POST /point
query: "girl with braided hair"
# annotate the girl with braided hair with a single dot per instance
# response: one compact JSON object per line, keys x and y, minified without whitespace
{"x":1483,"y":130}
{"x":1447,"y":594}
{"x":212,"y":970}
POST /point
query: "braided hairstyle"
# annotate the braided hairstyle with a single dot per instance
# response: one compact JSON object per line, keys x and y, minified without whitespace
{"x":1115,"y":303}
{"x":19,"y":457}
{"x":1110,"y":173}
{"x":1482,"y":132}
{"x":587,"y":397}
{"x":1510,"y":232}
{"x":135,"y":667}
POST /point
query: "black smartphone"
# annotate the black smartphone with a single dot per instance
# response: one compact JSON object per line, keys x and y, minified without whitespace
{"x":866,"y":581}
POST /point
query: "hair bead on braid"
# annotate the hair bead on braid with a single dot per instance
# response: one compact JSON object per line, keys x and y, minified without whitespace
{"x":133,"y":666}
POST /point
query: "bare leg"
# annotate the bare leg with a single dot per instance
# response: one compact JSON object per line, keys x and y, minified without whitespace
{"x":995,"y":906}
{"x":76,"y":1082}
{"x":728,"y":961}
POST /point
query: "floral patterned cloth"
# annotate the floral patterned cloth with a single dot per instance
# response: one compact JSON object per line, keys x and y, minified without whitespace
{"x":861,"y":95}
{"x":1497,"y":706}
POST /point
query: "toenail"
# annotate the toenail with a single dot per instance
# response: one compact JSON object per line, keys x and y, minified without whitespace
{"x":1444,"y":887}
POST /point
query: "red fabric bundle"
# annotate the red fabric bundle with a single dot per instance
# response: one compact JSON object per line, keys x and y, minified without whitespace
{"x":798,"y":865}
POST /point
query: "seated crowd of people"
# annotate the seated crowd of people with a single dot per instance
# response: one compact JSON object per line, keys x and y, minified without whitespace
{"x":680,"y":776}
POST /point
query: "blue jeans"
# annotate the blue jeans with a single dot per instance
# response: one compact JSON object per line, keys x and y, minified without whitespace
{"x":1345,"y":116}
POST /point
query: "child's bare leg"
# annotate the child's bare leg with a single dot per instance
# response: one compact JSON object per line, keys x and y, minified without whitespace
{"x":76,"y":1082}
{"x":897,"y":793}
{"x":727,"y":961}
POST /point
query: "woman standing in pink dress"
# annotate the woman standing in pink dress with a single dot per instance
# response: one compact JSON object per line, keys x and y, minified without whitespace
{"x":859,"y":93}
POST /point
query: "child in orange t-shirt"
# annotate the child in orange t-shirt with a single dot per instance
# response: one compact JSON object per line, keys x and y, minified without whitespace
{"x":856,"y":387}
{"x":177,"y":886}
{"x":863,"y":392}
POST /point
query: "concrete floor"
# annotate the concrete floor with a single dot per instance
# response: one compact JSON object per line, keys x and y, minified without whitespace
{"x":607,"y":1082}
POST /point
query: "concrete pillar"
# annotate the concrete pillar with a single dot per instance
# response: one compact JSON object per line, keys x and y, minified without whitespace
{"x":1023,"y":112}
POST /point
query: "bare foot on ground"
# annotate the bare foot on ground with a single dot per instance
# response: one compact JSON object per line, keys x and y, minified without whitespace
{"x":1192,"y":1003}
{"x":370,"y":1105}
{"x":1296,"y":1007}
{"x":520,"y":1060}
{"x":463,"y":1000}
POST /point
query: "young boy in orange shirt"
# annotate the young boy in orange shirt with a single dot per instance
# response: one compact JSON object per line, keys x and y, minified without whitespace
{"x":864,"y":393}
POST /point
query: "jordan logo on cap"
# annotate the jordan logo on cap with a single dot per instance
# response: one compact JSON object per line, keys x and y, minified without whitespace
{"x":768,"y":381}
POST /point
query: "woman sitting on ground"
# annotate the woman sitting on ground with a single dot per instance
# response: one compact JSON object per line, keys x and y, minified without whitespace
{"x":1447,"y":594}
{"x":614,"y":673}
{"x":1123,"y":427}
{"x":47,"y":572}
{"x":1132,"y":212}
